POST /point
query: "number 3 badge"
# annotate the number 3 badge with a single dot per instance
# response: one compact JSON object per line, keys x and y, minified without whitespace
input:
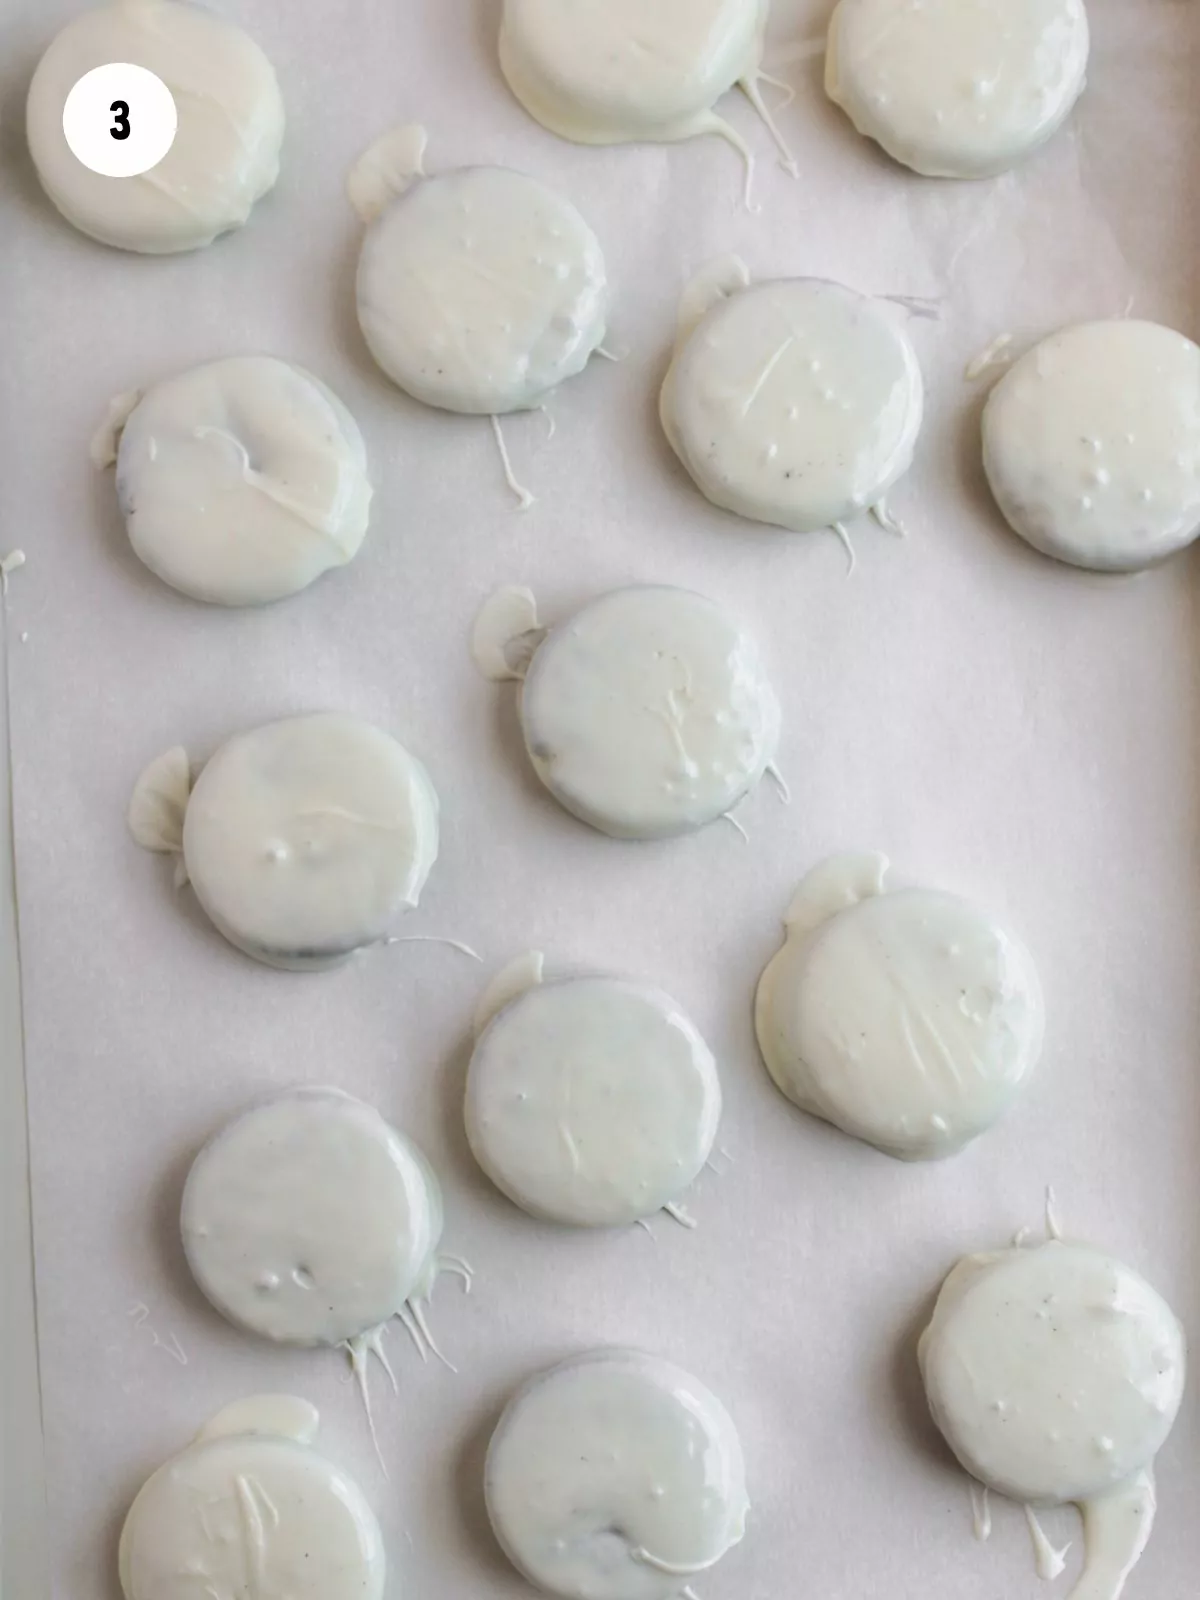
{"x":120,"y":120}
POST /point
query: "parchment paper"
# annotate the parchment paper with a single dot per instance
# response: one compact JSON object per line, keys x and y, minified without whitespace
{"x":1001,"y":726}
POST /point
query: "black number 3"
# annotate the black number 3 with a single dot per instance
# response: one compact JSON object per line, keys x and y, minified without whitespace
{"x":120,"y":129}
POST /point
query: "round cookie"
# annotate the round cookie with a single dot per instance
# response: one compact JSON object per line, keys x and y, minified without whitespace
{"x":591,"y":1101}
{"x":304,"y":840}
{"x":796,"y":402}
{"x":481,"y":290}
{"x":616,"y":71}
{"x":957,"y":88}
{"x":241,"y":481}
{"x":909,"y":1019}
{"x":649,"y":713}
{"x":1091,"y":444}
{"x":615,"y":1476}
{"x":1054,"y":1372}
{"x":225,"y":155}
{"x":309,"y":1220}
{"x":251,"y":1495}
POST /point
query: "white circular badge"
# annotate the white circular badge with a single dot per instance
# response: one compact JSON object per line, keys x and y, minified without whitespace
{"x":120,"y":120}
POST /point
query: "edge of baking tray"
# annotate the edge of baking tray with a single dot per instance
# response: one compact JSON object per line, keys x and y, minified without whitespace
{"x":24,"y":1568}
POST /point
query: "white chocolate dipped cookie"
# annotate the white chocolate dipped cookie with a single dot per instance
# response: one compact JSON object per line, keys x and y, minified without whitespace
{"x":957,"y":88}
{"x":479,"y":290}
{"x":241,"y":481}
{"x":615,"y":1476}
{"x":304,"y":840}
{"x":591,"y":1100}
{"x":795,"y":402}
{"x":225,"y":154}
{"x":648,"y":714}
{"x":1055,"y":1373}
{"x":309,"y":1220}
{"x":906,"y":1017}
{"x":619,"y":71}
{"x":1091,"y":444}
{"x":251,"y":1508}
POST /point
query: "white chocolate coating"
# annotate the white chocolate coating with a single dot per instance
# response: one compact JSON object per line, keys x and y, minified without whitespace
{"x":796,"y":402}
{"x":309,"y":1220}
{"x":1086,"y":1360}
{"x":957,"y":88}
{"x":241,"y":481}
{"x":615,"y":1476}
{"x":249,"y":1509}
{"x":649,"y":713}
{"x":909,"y":1019}
{"x":1055,"y":1374}
{"x":616,"y":71}
{"x":481,"y":290}
{"x":1091,"y":443}
{"x":591,"y":1101}
{"x":226,"y":151}
{"x":306,"y":839}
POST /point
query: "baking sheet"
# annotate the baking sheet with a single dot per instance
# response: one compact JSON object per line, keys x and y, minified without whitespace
{"x":1000,"y":726}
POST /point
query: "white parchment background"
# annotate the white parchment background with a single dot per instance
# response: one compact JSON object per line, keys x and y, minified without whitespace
{"x":999,"y":725}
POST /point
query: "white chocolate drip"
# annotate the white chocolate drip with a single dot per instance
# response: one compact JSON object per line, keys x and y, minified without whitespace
{"x":11,"y":563}
{"x":103,"y":448}
{"x":714,"y":282}
{"x":981,"y":1512}
{"x":387,"y":169}
{"x":990,"y":357}
{"x":506,"y":634}
{"x":159,"y":801}
{"x":524,"y":498}
{"x":1116,"y":1530}
{"x":524,"y":973}
{"x":1049,"y":1560}
{"x":280,"y":1414}
{"x":435,"y":938}
{"x":889,"y":523}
